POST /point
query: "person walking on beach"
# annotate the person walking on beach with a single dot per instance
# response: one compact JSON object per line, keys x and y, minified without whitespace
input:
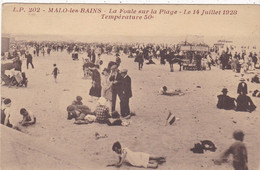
{"x":55,"y":72}
{"x":28,"y":57}
{"x":140,"y":59}
{"x":239,"y":152}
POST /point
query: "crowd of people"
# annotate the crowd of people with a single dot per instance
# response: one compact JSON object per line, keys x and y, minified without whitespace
{"x":111,"y":83}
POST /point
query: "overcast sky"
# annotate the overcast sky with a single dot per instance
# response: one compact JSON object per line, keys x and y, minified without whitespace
{"x":245,"y":24}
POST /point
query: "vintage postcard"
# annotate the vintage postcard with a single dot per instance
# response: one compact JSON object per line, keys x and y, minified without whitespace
{"x":127,"y":86}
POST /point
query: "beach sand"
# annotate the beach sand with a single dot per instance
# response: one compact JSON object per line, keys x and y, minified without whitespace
{"x":199,"y":119}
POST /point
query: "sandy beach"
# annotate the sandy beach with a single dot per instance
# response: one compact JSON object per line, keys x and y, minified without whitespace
{"x":76,"y":146}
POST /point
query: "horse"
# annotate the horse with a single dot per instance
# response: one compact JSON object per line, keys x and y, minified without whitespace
{"x":173,"y":59}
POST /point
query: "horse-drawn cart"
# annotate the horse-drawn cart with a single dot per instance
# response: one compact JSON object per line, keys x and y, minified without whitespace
{"x":192,"y":55}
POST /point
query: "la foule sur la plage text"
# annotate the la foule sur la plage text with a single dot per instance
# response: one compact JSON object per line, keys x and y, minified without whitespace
{"x":136,"y":14}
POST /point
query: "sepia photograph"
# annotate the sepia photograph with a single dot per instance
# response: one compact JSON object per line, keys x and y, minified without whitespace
{"x":130,"y":86}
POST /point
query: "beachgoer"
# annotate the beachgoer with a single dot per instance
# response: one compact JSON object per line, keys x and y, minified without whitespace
{"x":242,"y":87}
{"x":125,"y":93}
{"x":29,"y":58}
{"x":106,"y":87}
{"x":225,"y":102}
{"x":28,"y":119}
{"x":78,"y":101}
{"x":101,"y":111}
{"x":239,"y":152}
{"x":6,"y":112}
{"x":137,"y":159}
{"x":244,"y":103}
{"x":55,"y":72}
{"x":115,"y":78}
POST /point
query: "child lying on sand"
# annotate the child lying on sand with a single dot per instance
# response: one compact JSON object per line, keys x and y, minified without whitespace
{"x":138,"y":159}
{"x":165,"y":91}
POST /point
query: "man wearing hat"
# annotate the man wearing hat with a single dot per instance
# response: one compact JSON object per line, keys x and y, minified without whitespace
{"x":115,"y":78}
{"x":242,"y":87}
{"x":224,"y":101}
{"x":125,"y":93}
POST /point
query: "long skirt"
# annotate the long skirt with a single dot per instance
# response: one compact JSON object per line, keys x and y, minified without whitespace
{"x":95,"y":91}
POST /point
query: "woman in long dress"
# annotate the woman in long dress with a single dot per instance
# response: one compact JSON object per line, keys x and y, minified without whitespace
{"x":106,"y":86}
{"x":95,"y":90}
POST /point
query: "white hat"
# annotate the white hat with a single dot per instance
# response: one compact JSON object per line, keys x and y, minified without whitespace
{"x":102,"y":101}
{"x":123,"y":71}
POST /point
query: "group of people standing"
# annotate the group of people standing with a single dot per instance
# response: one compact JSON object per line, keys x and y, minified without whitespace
{"x":237,"y":62}
{"x":112,"y":83}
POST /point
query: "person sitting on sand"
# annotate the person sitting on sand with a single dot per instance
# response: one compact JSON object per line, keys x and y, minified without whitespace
{"x":137,"y":159}
{"x":78,"y":112}
{"x":239,"y":152}
{"x":78,"y":101}
{"x":244,"y":103}
{"x":28,"y":119}
{"x":255,"y":79}
{"x":6,"y":112}
{"x":256,"y":93}
{"x":101,"y":111}
{"x":164,"y":91}
{"x":225,"y":102}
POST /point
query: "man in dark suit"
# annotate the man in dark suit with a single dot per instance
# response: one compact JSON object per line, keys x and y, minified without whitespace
{"x":225,"y":102}
{"x":242,"y":87}
{"x":125,"y":94}
{"x":115,"y":78}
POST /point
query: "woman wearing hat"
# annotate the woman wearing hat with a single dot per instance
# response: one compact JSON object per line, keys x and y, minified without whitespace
{"x":244,"y":103}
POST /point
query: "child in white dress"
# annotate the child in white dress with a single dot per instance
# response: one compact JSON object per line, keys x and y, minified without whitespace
{"x":138,"y":159}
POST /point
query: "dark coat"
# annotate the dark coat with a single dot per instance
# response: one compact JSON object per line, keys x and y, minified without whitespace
{"x":241,"y":89}
{"x":126,"y":87}
{"x":225,"y":102}
{"x":95,"y":90}
{"x":28,"y":57}
{"x":118,"y":78}
{"x":244,"y":103}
